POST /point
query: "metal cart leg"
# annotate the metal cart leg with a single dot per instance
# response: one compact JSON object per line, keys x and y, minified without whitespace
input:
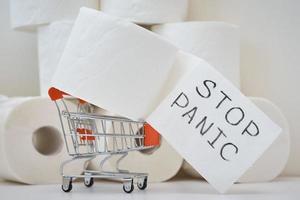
{"x":118,"y":163}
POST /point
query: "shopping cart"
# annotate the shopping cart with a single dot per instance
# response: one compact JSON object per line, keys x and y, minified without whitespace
{"x":88,"y":135}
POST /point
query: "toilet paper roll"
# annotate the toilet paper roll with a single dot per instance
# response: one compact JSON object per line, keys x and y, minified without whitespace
{"x":95,"y":163}
{"x":147,"y":11}
{"x":161,"y":164}
{"x":114,"y":64}
{"x":216,"y":42}
{"x":51,"y":43}
{"x":183,"y":63}
{"x":31,"y":145}
{"x":27,"y":15}
{"x":274,"y":159}
{"x":187,"y":169}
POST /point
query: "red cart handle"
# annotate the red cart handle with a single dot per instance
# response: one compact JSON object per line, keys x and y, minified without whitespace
{"x":56,"y":94}
{"x":152,"y":137}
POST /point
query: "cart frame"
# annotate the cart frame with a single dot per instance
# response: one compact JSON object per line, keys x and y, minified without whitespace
{"x":86,"y":137}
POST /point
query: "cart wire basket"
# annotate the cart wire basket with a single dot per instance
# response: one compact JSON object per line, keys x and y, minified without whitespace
{"x":88,"y":135}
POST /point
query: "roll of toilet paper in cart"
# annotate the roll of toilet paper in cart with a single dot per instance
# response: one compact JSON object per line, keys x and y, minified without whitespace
{"x":27,"y":15}
{"x":114,"y":64}
{"x":163,"y":162}
{"x":51,"y":43}
{"x":274,"y":159}
{"x":95,"y":163}
{"x":147,"y":11}
{"x":216,"y":42}
{"x":31,"y":141}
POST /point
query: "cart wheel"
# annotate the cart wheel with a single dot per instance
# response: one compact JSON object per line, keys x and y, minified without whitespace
{"x":128,"y":186}
{"x":142,"y":184}
{"x":67,"y":187}
{"x":89,"y":182}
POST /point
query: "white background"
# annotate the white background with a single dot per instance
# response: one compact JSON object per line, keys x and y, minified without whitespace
{"x":18,"y":58}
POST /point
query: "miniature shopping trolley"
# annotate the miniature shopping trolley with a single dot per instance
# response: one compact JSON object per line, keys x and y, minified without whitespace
{"x":88,"y":135}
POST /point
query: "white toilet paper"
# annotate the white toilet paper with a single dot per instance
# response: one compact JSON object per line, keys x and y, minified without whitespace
{"x":95,"y":163}
{"x":147,"y":11}
{"x":31,"y":142}
{"x":114,"y":64}
{"x":51,"y":43}
{"x":169,"y":160}
{"x":161,"y":164}
{"x":216,"y":42}
{"x":26,"y":15}
{"x":187,"y":169}
{"x":274,"y":159}
{"x":183,"y":63}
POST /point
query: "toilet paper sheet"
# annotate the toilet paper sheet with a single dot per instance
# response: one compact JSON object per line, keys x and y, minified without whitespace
{"x":51,"y":43}
{"x":274,"y":159}
{"x":114,"y":64}
{"x":206,"y":113}
{"x":147,"y":11}
{"x":216,"y":42}
{"x":27,"y":15}
{"x":31,"y":145}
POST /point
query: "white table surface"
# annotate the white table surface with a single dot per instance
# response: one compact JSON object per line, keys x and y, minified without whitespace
{"x":283,"y":188}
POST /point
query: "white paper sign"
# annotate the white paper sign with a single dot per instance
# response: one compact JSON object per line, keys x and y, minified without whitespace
{"x":213,"y":126}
